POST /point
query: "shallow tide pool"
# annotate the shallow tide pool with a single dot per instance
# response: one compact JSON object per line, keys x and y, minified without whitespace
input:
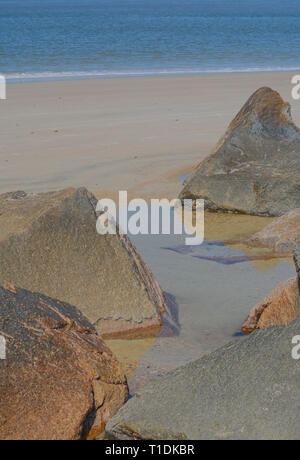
{"x":210,"y":290}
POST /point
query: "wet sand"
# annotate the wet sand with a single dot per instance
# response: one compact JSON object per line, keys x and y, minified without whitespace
{"x":130,"y":352}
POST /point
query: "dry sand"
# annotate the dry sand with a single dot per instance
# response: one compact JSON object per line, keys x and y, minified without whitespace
{"x":135,"y":134}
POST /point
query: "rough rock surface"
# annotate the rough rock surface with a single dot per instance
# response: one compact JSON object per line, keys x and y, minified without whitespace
{"x":59,"y":379}
{"x":249,"y":389}
{"x":281,"y":306}
{"x":49,"y":244}
{"x":282,"y":235}
{"x":255,"y":168}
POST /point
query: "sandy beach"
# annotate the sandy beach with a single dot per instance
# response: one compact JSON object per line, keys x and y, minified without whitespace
{"x":135,"y":134}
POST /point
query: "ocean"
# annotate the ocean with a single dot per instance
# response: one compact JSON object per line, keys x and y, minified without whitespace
{"x":52,"y":39}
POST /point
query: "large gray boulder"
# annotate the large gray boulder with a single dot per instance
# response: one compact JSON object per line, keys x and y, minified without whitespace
{"x":255,"y":167}
{"x":49,"y":244}
{"x":249,"y":389}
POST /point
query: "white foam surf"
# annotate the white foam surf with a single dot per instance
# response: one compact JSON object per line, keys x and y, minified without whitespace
{"x":49,"y":75}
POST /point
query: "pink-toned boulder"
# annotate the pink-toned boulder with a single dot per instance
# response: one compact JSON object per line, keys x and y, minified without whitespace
{"x":282,"y":235}
{"x":280,"y":307}
{"x":59,"y":380}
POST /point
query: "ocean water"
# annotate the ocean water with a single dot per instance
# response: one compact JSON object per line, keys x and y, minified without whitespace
{"x":92,"y":38}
